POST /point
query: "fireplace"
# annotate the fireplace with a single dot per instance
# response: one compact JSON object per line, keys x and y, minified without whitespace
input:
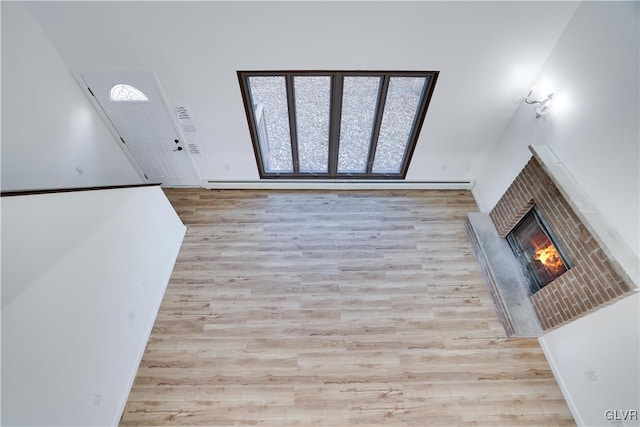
{"x":569,"y":261}
{"x":538,"y":251}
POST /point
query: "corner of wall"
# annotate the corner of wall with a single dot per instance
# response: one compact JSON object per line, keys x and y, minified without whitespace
{"x":560,"y":380}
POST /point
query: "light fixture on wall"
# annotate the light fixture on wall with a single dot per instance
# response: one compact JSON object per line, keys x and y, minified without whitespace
{"x":543,"y":105}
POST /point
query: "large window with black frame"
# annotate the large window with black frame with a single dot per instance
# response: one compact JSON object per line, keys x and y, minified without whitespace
{"x":335,"y":124}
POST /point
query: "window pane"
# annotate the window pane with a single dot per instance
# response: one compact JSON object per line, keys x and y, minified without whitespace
{"x":269,"y":98}
{"x":359,"y":102}
{"x":401,"y":106}
{"x":312,"y":101}
{"x":126,"y":93}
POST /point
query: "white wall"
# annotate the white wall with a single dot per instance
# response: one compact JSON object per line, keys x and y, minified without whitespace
{"x":606,"y":342}
{"x":48,"y":124}
{"x":83,"y":275}
{"x":593,"y":124}
{"x":594,"y":131}
{"x":482,"y":49}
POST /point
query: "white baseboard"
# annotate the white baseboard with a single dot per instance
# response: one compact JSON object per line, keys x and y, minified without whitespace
{"x":320,"y":184}
{"x":477,"y":199}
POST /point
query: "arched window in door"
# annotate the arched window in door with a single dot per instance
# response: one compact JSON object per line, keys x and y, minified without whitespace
{"x":125,"y":93}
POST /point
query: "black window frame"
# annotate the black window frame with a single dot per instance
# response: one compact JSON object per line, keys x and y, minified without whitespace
{"x":335,"y":114}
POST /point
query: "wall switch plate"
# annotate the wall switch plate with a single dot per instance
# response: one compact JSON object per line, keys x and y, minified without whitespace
{"x":96,"y":399}
{"x":592,"y":376}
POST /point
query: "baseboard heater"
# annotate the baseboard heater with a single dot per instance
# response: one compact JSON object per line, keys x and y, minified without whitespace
{"x":318,"y":184}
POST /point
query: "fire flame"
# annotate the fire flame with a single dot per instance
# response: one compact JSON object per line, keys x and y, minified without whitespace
{"x":550,"y":258}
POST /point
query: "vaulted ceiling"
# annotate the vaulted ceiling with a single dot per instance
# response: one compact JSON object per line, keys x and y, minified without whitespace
{"x":488,"y":55}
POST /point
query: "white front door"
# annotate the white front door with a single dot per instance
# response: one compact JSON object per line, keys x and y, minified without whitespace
{"x":134,"y":104}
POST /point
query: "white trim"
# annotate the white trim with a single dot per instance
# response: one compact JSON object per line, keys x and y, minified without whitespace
{"x":480,"y":205}
{"x":563,"y":388}
{"x":325,"y":184}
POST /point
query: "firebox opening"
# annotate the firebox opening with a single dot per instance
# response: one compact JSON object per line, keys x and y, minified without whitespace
{"x":538,"y":250}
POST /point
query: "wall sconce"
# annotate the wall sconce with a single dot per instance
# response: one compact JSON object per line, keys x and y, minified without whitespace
{"x":543,"y":105}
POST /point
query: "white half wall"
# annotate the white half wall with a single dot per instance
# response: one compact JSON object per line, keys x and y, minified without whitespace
{"x":593,"y":122}
{"x":48,"y":125}
{"x":83,"y":275}
{"x":606,"y":345}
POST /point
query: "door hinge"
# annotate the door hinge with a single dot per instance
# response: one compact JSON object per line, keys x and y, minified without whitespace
{"x":91,"y":92}
{"x":122,"y":140}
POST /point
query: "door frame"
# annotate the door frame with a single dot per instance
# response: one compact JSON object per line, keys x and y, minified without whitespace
{"x":77,"y":74}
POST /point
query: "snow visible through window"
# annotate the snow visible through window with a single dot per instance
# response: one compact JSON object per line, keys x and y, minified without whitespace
{"x":335,"y":124}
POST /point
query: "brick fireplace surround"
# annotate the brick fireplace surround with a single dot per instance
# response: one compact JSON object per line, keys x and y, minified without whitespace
{"x":598,"y":276}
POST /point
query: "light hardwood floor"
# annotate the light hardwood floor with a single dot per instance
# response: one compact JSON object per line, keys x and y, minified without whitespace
{"x":334,"y":309}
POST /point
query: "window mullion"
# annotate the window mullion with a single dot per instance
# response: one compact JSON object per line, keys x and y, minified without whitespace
{"x":382,"y":96}
{"x":334,"y":125}
{"x":293,"y":127}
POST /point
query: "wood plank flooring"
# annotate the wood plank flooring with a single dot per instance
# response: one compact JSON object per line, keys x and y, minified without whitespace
{"x":334,"y":309}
